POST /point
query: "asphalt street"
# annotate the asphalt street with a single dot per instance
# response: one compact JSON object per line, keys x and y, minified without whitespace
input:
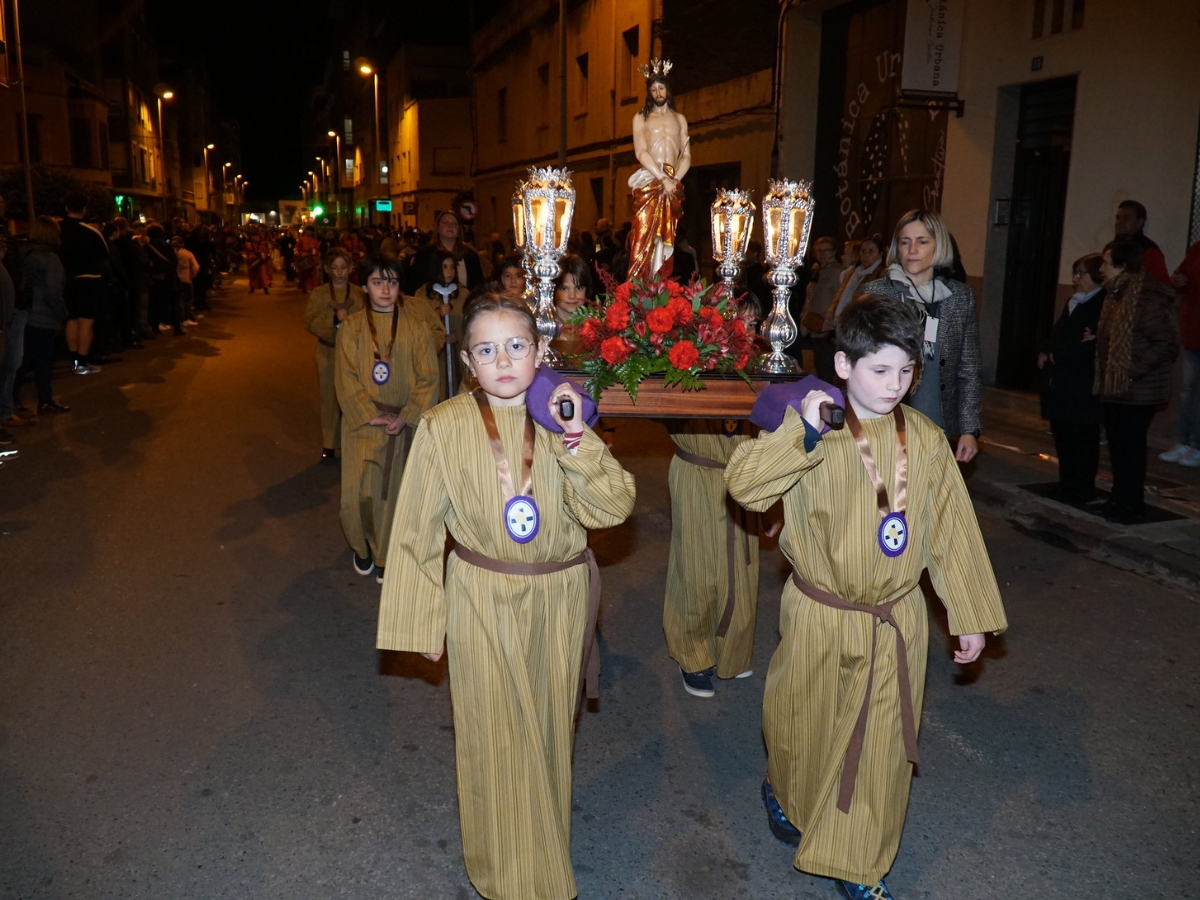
{"x":192,"y":706}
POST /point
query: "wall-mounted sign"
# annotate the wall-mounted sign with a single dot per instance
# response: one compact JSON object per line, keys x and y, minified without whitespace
{"x":383,"y":205}
{"x":468,"y":210}
{"x":410,"y":208}
{"x":932,"y":46}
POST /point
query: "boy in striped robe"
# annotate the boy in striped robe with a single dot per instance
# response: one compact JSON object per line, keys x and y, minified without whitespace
{"x":866,"y":510}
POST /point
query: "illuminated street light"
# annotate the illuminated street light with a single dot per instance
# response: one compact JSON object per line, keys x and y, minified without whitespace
{"x":338,"y":165}
{"x":208,"y":179}
{"x":365,"y":67}
{"x":163,"y":93}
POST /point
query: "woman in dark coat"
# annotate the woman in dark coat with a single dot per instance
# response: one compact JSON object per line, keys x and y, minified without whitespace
{"x":1068,"y":371}
{"x":951,"y":389}
{"x":1136,"y":344}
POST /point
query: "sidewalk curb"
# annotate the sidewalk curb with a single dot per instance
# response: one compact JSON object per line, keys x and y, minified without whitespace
{"x":1082,"y":532}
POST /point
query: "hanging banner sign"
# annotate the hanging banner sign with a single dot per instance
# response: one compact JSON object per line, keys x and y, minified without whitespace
{"x":932,"y":46}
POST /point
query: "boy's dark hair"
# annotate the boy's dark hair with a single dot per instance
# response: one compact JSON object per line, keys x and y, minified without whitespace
{"x":874,"y":321}
{"x":508,"y":262}
{"x":488,"y":299}
{"x":377,"y":262}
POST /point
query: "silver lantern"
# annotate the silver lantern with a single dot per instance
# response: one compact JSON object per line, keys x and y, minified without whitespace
{"x":787,"y":219}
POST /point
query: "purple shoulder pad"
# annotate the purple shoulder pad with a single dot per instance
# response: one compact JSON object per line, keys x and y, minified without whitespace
{"x":537,"y":399}
{"x":774,"y":399}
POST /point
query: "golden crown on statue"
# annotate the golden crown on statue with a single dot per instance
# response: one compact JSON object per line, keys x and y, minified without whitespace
{"x":656,"y":67}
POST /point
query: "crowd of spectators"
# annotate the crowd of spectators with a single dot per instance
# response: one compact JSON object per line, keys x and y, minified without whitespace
{"x":75,"y":287}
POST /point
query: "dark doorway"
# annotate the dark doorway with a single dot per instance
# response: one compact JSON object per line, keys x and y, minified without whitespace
{"x":876,"y":157}
{"x":1039,"y":199}
{"x":700,"y":186}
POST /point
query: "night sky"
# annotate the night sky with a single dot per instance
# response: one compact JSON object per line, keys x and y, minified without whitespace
{"x":256,"y":64}
{"x":263,"y":58}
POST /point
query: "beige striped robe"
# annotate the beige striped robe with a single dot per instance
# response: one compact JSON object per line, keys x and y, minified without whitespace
{"x":319,"y":317}
{"x":818,"y":675}
{"x":697,"y":573}
{"x":514,"y":643}
{"x":366,"y":513}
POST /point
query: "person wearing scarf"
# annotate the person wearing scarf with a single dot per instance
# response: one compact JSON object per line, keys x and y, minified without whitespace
{"x":1136,"y":344}
{"x":869,"y":254}
{"x":950,"y":392}
{"x":1068,"y":367}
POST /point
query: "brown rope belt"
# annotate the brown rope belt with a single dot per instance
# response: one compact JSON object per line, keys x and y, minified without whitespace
{"x":589,"y":672}
{"x":882,"y":612}
{"x":731,"y":511}
{"x":391,"y":446}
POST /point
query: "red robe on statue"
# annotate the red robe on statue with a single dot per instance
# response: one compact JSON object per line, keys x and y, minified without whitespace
{"x":655,"y":214}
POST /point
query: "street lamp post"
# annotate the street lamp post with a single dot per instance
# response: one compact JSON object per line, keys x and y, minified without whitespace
{"x":337,"y":173}
{"x":208,"y":180}
{"x":163,"y":93}
{"x":237,"y":198}
{"x":224,"y":190}
{"x":367,"y":69}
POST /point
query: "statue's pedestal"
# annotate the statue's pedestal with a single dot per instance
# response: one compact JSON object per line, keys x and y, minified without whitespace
{"x":723,"y":397}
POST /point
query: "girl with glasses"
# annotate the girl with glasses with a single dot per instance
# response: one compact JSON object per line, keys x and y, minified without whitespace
{"x":517,"y":481}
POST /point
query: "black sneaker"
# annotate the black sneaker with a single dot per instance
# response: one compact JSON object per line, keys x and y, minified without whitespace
{"x":363,"y":566}
{"x":783,"y":830}
{"x":698,"y":684}
{"x":53,"y":407}
{"x":6,"y":438}
{"x":9,"y":453}
{"x":854,"y":891}
{"x":379,"y":574}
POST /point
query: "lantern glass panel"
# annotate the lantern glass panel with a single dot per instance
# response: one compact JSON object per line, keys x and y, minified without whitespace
{"x":538,"y":214}
{"x":772,"y":223}
{"x":718,"y":234}
{"x":740,"y":229}
{"x":519,"y":221}
{"x":562,"y":221}
{"x":795,"y":231}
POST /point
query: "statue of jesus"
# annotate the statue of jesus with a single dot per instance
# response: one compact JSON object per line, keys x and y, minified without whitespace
{"x":661,"y":144}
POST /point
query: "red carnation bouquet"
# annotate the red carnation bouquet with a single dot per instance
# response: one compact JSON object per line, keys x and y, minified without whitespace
{"x":662,"y":328}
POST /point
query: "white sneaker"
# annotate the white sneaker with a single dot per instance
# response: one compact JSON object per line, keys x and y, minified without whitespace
{"x":191,"y":322}
{"x":1191,"y":459}
{"x":1175,"y":454}
{"x":163,"y":327}
{"x":82,"y":368}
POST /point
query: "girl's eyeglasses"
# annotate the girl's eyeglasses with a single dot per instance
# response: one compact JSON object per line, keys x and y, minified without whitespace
{"x":487,"y":352}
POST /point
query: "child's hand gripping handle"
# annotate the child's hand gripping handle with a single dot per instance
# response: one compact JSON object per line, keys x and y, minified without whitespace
{"x":833,"y":415}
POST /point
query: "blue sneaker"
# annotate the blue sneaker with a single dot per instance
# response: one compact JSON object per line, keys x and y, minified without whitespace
{"x":865,"y":891}
{"x":698,"y":684}
{"x":784,"y":830}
